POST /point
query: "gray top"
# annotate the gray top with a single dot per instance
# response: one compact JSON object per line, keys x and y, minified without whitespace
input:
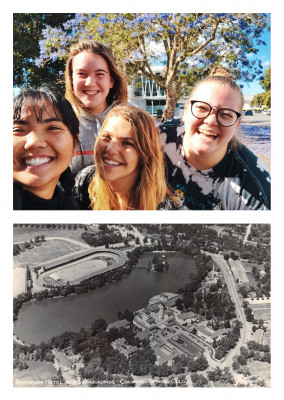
{"x":90,"y":126}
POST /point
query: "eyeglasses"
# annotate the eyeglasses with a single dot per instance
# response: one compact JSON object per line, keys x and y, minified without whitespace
{"x":225,"y":116}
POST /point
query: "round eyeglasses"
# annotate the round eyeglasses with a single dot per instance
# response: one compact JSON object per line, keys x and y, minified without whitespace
{"x":225,"y":116}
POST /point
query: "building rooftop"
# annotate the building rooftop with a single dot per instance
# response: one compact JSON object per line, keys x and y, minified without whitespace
{"x":144,"y":334}
{"x":118,"y":324}
{"x":186,"y":315}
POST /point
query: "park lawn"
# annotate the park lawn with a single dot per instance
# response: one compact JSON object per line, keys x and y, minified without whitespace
{"x":37,"y":375}
{"x":249,"y":265}
{"x":23,"y":233}
{"x":260,"y":369}
{"x":47,"y":251}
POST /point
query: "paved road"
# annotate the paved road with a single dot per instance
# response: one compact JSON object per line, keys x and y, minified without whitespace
{"x":247,"y":233}
{"x":230,"y":282}
{"x":258,"y":119}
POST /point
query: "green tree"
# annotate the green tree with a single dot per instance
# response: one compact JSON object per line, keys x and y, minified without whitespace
{"x":142,"y":361}
{"x":264,"y":99}
{"x":266,"y":81}
{"x":185,"y":44}
{"x":258,"y":101}
{"x":27,"y":33}
{"x":16,"y":249}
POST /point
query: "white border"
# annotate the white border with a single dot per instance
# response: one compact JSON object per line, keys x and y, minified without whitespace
{"x":274,"y":217}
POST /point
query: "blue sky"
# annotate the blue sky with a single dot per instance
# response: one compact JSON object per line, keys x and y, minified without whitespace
{"x":265,"y":55}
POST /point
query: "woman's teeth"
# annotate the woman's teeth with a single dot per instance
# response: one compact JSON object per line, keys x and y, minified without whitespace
{"x":36,"y":161}
{"x":110,"y":162}
{"x":208,"y":133}
{"x":90,"y":92}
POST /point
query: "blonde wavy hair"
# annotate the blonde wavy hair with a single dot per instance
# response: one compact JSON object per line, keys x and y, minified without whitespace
{"x":117,"y":94}
{"x":151,"y":188}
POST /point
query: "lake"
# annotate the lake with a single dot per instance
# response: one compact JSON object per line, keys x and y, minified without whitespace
{"x":39,"y":321}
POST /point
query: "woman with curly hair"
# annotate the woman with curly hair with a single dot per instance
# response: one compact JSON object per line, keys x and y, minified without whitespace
{"x":129,"y":168}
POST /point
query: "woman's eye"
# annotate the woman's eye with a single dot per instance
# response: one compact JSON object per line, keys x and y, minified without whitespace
{"x":18,"y":130}
{"x":127,"y":143}
{"x":226,"y":115}
{"x":53,"y":128}
{"x":105,"y":137}
{"x":202,"y":109}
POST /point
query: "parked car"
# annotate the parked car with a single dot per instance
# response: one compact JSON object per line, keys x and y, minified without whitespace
{"x":266,"y":112}
{"x":248,"y":112}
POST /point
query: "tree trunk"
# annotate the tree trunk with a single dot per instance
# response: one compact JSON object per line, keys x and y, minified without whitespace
{"x":171,"y":100}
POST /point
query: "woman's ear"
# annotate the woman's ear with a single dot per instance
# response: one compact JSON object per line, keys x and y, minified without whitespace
{"x":75,"y":146}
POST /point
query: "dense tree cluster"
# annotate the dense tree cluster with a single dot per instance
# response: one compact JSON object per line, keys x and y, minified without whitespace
{"x":198,"y":380}
{"x":221,"y":375}
{"x":158,"y":264}
{"x":254,"y":351}
{"x":102,"y":238}
{"x":181,"y":364}
{"x":225,"y":344}
{"x":213,"y":301}
{"x":248,"y":312}
{"x":262,"y":277}
{"x":142,"y":361}
{"x":187,"y":45}
{"x":18,"y":301}
{"x":94,"y":345}
{"x":41,"y":352}
{"x":263,"y":100}
{"x":51,"y":226}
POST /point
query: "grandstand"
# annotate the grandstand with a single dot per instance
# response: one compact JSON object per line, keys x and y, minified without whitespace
{"x":119,"y":257}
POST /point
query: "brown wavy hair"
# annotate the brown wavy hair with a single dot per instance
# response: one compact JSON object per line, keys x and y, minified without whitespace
{"x":151,"y":188}
{"x":117,"y":94}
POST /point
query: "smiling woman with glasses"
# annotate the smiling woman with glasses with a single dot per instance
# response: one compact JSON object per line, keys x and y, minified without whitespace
{"x":206,"y":165}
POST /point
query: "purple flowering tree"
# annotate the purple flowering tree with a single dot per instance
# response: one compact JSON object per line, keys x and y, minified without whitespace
{"x":187,"y":45}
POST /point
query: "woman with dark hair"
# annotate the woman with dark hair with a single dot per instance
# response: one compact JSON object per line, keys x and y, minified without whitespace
{"x":206,"y":165}
{"x":94,"y":85}
{"x":45,"y":136}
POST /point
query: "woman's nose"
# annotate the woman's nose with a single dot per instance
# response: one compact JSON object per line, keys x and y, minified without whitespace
{"x":113,"y":147}
{"x":212,"y":118}
{"x":89,"y":81}
{"x":35,"y":139}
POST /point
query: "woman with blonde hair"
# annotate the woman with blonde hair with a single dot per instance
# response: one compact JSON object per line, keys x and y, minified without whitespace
{"x":94,"y":85}
{"x":206,"y":165}
{"x":129,"y":168}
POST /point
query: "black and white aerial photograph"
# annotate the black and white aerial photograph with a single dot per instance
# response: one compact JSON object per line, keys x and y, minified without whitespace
{"x":141,"y":305}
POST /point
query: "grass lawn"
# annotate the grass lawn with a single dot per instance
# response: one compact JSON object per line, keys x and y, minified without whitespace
{"x":261,"y":370}
{"x":36,"y":375}
{"x":23,"y":233}
{"x":47,"y":251}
